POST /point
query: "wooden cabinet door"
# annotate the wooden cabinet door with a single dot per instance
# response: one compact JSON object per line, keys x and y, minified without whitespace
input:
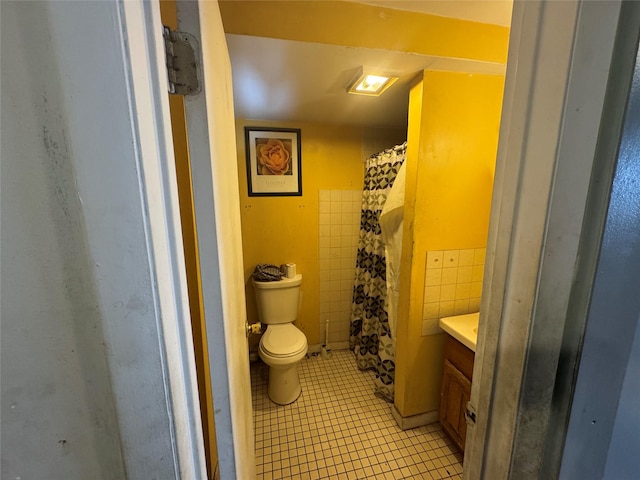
{"x":455,"y":393}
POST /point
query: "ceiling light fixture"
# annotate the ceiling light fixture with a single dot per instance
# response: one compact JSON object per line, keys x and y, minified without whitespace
{"x":370,"y":84}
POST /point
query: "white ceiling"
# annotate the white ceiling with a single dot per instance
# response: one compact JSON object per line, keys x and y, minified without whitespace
{"x":284,"y":80}
{"x":306,"y":82}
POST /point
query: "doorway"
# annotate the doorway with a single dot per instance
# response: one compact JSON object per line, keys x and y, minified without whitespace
{"x":547,"y":176}
{"x":286,"y":220}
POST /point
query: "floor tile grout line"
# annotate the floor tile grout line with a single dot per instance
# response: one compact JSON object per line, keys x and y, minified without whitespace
{"x":338,"y":428}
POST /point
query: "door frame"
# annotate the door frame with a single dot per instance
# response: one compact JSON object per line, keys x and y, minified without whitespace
{"x":554,"y":97}
{"x":212,"y":146}
{"x":212,"y":150}
{"x":142,"y":49}
{"x":548,"y":210}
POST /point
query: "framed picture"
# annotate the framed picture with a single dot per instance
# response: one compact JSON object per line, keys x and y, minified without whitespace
{"x":273,"y":161}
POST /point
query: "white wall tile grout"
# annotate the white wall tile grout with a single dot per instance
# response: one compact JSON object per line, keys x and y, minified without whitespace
{"x":339,"y":222}
{"x":452,"y":285}
{"x":339,"y":429}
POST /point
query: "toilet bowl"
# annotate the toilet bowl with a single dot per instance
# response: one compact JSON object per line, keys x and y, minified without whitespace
{"x":281,"y":348}
{"x":283,"y":345}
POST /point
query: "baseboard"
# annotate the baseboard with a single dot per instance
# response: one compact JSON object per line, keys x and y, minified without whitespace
{"x":413,"y":421}
{"x":332,"y":346}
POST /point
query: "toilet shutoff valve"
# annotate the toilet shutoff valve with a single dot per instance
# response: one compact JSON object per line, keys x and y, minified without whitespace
{"x":254,"y":328}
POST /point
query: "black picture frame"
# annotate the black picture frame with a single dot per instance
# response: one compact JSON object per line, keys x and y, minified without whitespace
{"x":274,"y":161}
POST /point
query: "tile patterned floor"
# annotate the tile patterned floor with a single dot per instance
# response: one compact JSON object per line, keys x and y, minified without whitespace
{"x":338,"y":429}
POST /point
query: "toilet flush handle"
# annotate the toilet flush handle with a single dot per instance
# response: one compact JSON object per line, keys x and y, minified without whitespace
{"x":253,"y":328}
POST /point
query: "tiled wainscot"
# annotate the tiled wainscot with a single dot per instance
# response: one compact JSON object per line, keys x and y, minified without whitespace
{"x":452,"y":285}
{"x":339,"y":227}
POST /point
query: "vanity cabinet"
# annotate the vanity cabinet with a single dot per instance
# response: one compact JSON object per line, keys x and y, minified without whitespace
{"x":456,"y":390}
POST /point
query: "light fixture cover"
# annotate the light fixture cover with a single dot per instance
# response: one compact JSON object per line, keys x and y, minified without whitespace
{"x":371,"y":84}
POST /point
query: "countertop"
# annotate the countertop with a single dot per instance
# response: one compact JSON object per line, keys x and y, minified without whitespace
{"x":463,"y":328}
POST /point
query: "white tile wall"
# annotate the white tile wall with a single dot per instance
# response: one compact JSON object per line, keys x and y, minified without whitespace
{"x":339,"y":221}
{"x":452,"y":285}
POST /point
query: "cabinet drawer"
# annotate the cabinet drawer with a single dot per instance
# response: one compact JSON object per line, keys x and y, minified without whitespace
{"x":460,"y":356}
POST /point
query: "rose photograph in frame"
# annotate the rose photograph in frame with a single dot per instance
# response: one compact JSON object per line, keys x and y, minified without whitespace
{"x":273,"y":161}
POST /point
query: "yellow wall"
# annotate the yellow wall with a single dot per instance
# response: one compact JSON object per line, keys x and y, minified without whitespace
{"x":285,"y":229}
{"x":454,"y":121}
{"x":359,"y":25}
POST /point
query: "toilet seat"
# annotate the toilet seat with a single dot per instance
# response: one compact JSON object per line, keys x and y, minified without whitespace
{"x":281,"y":341}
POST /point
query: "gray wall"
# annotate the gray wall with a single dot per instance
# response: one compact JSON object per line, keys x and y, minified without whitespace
{"x":623,"y":460}
{"x":84,"y":392}
{"x":603,"y":438}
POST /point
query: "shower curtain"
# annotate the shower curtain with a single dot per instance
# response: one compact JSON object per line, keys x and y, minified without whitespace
{"x":370,"y":335}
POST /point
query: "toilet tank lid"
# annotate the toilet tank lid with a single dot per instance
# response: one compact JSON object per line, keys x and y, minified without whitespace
{"x":282,"y":283}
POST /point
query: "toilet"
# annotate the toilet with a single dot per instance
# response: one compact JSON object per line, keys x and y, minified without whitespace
{"x":283,"y":345}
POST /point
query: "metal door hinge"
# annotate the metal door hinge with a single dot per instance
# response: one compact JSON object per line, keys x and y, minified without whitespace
{"x":182,"y":62}
{"x":470,"y":414}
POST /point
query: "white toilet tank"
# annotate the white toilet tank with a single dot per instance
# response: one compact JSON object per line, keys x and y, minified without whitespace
{"x":279,"y":301}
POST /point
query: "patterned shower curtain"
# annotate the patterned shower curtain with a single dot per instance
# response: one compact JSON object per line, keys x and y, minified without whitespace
{"x":370,"y":336}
